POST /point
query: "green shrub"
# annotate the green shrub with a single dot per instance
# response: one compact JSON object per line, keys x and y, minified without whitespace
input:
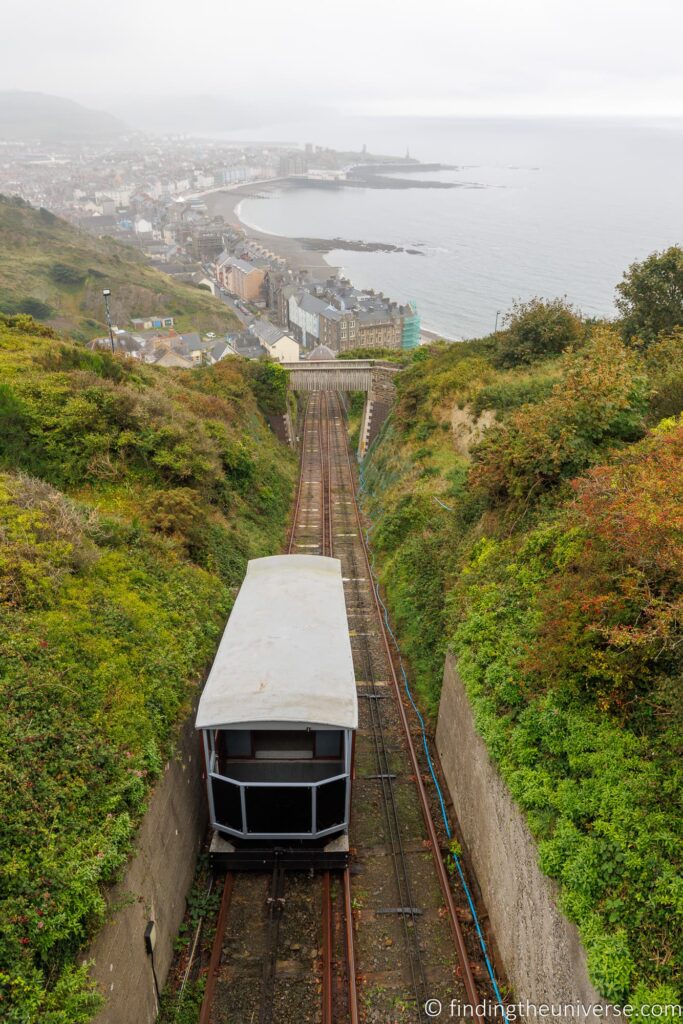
{"x":650,"y":296}
{"x":562,"y":600}
{"x":22,"y":323}
{"x":664,"y":362}
{"x":510,"y":393}
{"x":601,"y":397}
{"x":270,"y":386}
{"x":130,"y":502}
{"x":538,"y":329}
{"x":29,"y":307}
{"x":68,"y":357}
{"x":64,"y":274}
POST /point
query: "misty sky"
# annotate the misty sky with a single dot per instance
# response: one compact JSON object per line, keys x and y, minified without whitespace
{"x":437,"y":57}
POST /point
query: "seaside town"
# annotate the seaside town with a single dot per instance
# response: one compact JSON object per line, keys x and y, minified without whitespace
{"x":163,"y":197}
{"x":341,"y":530}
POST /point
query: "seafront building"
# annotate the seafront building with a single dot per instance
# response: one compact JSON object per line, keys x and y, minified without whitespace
{"x":242,"y":278}
{"x":332,"y":313}
{"x":342,"y":317}
{"x":304,"y":311}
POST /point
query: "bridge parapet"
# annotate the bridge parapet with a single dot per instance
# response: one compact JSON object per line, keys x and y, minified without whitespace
{"x":373,"y":376}
{"x":340,"y":375}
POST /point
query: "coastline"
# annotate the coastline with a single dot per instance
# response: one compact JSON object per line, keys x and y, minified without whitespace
{"x":294,"y":251}
{"x":226,"y":204}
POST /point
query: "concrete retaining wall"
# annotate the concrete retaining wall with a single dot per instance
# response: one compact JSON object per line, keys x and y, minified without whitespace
{"x":541,"y":950}
{"x":153,"y":887}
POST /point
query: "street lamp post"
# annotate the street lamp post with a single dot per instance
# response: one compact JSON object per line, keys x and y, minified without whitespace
{"x":106,"y":292}
{"x":495,"y":329}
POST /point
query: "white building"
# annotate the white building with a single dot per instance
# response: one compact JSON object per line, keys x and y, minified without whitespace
{"x":304,"y":316}
{"x":285,"y":350}
{"x":278,"y":345}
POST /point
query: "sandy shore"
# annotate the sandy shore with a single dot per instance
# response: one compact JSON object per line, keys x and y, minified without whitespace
{"x":225,"y":204}
{"x":427,"y":336}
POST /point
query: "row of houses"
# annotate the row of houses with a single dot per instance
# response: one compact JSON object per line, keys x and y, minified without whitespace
{"x":163,"y":346}
{"x":333,"y":314}
{"x":342,"y":317}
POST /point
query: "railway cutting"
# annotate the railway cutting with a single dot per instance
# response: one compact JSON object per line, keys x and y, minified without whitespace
{"x":373,"y":938}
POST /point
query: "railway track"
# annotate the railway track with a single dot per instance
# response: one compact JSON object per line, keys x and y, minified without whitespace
{"x":465,"y":972}
{"x":285,"y":947}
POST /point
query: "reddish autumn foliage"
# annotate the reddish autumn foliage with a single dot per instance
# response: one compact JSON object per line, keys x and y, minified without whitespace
{"x":618,"y":605}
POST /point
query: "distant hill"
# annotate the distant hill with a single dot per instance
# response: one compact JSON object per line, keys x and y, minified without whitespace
{"x":187,"y":114}
{"x":35,"y":115}
{"x":197,"y":115}
{"x":56,"y":273}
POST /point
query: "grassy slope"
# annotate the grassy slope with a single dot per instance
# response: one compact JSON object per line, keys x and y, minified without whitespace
{"x":130,"y":501}
{"x":562,"y":602}
{"x":33,"y":241}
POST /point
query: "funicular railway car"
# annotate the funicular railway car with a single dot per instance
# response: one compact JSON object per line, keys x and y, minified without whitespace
{"x":278,"y":716}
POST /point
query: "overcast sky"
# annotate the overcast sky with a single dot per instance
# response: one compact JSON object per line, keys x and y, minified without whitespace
{"x":442,"y":57}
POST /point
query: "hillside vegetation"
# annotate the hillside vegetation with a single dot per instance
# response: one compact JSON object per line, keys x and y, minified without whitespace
{"x":527,"y":501}
{"x":56,"y":273}
{"x":130,"y":501}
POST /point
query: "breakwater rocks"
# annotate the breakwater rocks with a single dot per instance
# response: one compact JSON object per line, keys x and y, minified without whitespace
{"x":350,"y":245}
{"x":388,"y":175}
{"x":382,"y":175}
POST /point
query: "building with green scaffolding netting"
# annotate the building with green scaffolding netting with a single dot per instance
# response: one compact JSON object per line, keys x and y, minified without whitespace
{"x":410,"y":336}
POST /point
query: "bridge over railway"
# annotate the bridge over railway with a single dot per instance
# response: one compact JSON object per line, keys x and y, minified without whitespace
{"x":372,"y":376}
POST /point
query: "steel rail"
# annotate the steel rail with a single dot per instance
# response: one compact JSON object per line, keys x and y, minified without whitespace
{"x":351,"y":1011}
{"x":214,"y":963}
{"x":458,"y":937}
{"x":350,"y":951}
{"x":394,"y":834}
{"x":327,"y":992}
{"x":324,"y":490}
{"x":297,"y":504}
{"x":349,"y":947}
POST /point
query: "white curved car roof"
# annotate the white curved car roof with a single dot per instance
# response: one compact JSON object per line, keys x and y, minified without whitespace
{"x":285,"y":655}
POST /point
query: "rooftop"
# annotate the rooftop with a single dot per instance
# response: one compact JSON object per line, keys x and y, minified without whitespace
{"x":321,"y":353}
{"x":242,"y":265}
{"x":310,"y":303}
{"x":266,"y":332}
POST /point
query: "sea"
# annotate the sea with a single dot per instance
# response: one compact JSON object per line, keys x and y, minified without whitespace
{"x":544,"y":208}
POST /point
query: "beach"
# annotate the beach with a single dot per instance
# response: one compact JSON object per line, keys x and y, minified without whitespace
{"x":226,"y":204}
{"x":300,"y":254}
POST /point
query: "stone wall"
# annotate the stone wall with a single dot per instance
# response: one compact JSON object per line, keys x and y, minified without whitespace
{"x":541,"y":950}
{"x":154,"y":886}
{"x":374,"y":417}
